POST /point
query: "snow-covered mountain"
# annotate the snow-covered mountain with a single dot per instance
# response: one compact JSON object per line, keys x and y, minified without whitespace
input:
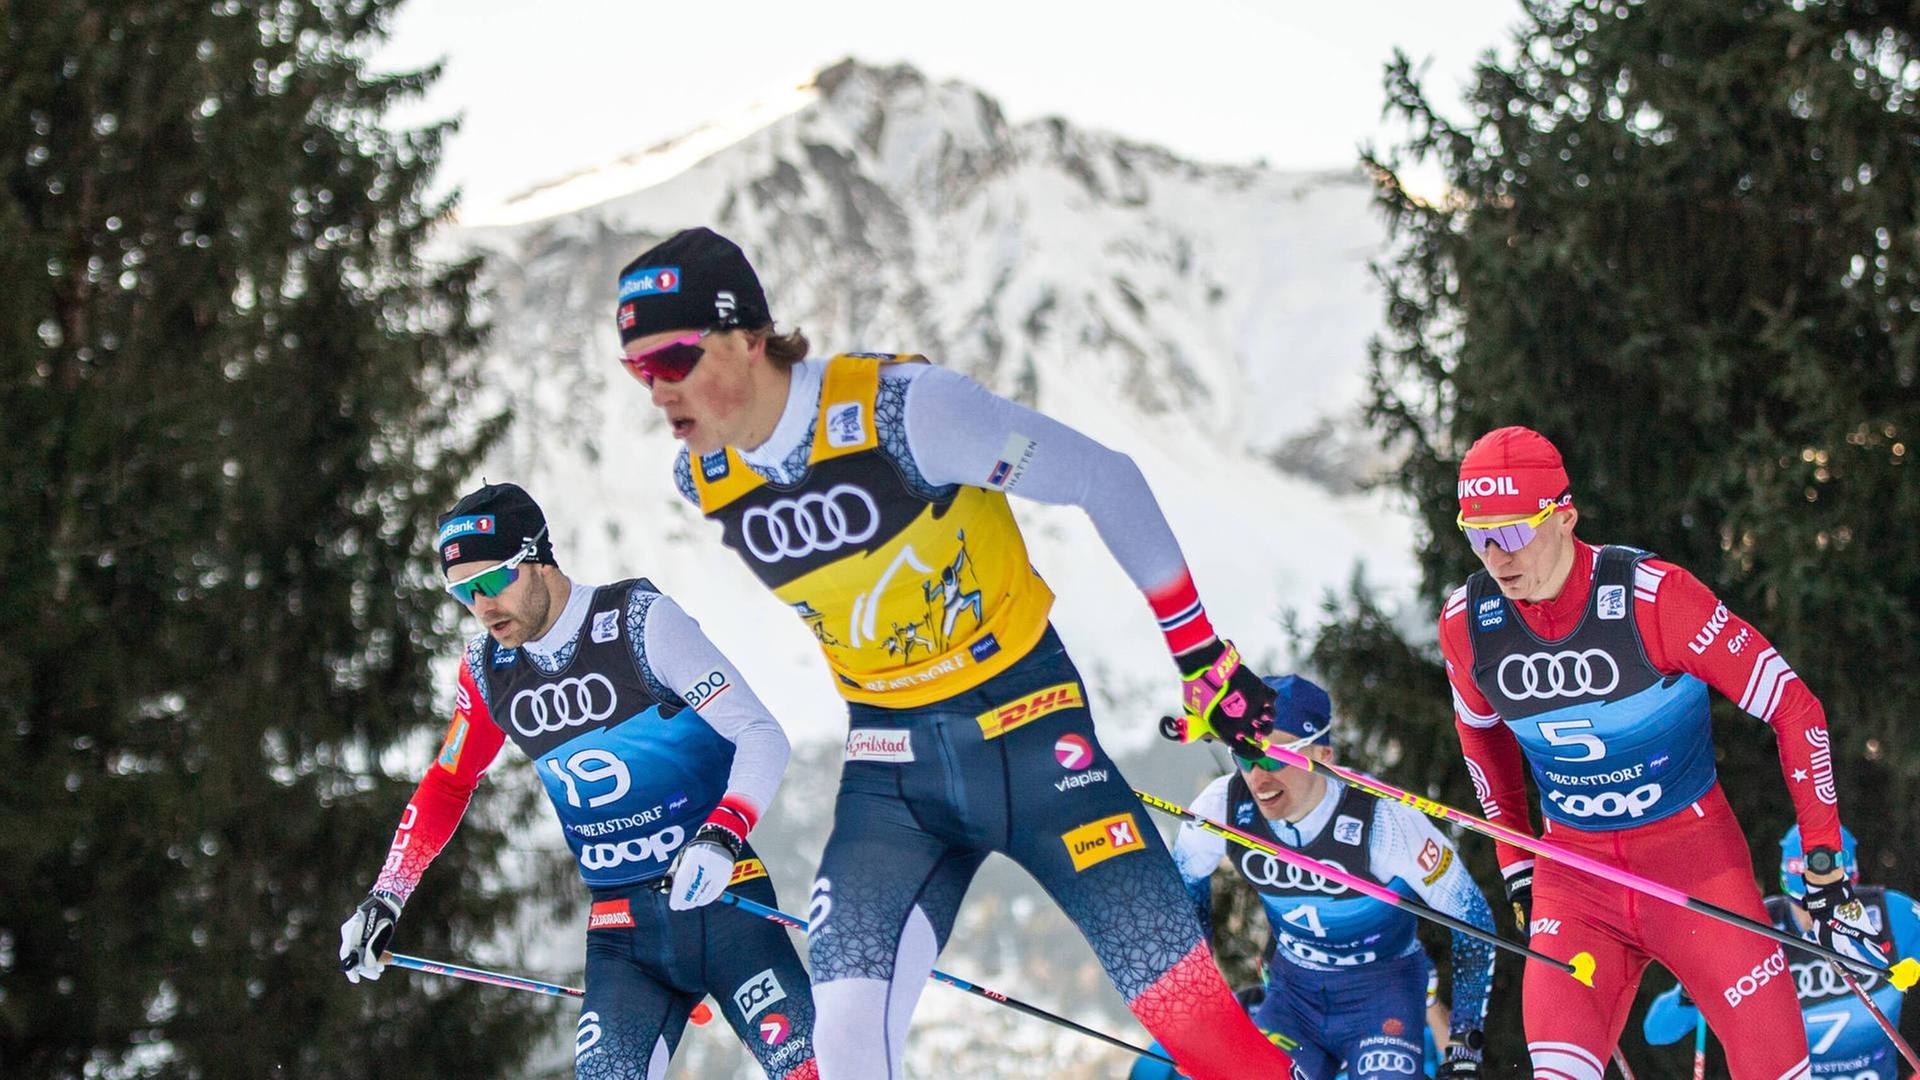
{"x":1210,"y":320}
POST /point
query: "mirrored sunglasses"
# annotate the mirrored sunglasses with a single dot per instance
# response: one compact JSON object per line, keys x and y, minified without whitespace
{"x":1509,"y":536}
{"x":669,"y":361}
{"x":494,"y":580}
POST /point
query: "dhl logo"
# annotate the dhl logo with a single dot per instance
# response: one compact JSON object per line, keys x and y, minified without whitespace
{"x":747,"y":870}
{"x":998,"y":721}
{"x":1098,"y":841}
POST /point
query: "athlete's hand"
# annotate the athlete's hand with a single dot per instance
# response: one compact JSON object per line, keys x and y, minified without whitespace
{"x":365,"y":934}
{"x":1519,"y":882}
{"x":1840,"y":920}
{"x":1224,"y":698}
{"x":1462,"y":1059}
{"x":703,"y":868}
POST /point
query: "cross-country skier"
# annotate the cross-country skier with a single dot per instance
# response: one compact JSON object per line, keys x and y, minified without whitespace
{"x":1593,"y":664}
{"x":1844,"y":1040}
{"x":847,"y":485}
{"x":1346,"y":975}
{"x":659,"y":760}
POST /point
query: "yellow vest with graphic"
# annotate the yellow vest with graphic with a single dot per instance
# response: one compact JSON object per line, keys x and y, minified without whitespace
{"x":912,"y":599}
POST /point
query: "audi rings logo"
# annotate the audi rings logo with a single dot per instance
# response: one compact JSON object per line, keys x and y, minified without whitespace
{"x":1608,"y":803}
{"x":1269,"y":872}
{"x":1385,"y":1061}
{"x":817,"y":521}
{"x":553,"y":706}
{"x":1816,"y":981}
{"x":1558,"y":674}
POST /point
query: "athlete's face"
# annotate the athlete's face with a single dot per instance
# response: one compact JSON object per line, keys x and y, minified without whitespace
{"x":523,"y":610}
{"x":1287,"y":793}
{"x":726,"y":398}
{"x":1539,"y":570}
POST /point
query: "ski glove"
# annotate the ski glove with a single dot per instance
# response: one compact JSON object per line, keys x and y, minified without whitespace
{"x":365,"y":934}
{"x":1519,"y":882}
{"x":1224,"y":699}
{"x":704,"y":868}
{"x":1462,"y":1060}
{"x":1840,"y":920}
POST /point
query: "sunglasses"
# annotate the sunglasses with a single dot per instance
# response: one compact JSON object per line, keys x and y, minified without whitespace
{"x":669,"y":361}
{"x":1510,"y":536}
{"x":494,"y":580}
{"x":1275,"y":765}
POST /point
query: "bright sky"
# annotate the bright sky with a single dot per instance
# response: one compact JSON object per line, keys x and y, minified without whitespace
{"x":549,"y":88}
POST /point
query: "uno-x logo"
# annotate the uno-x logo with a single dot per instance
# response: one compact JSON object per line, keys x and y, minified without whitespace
{"x":659,"y":847}
{"x":1558,"y":674}
{"x":1269,"y":872}
{"x":553,"y":706}
{"x":814,"y":522}
{"x":759,"y":991}
{"x":1608,"y":803}
{"x":1379,"y":1061}
{"x":1098,"y":841}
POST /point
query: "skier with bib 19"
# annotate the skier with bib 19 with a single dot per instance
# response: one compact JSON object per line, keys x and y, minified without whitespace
{"x":1592,"y":664}
{"x":1346,"y":978}
{"x":861,"y":490}
{"x":658,"y":758}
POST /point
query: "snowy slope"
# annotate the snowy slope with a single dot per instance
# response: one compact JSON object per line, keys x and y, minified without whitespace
{"x":1199,"y":317}
{"x":1196,"y":316}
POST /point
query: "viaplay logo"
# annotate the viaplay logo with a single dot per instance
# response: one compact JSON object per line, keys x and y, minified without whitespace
{"x":1072,"y":752}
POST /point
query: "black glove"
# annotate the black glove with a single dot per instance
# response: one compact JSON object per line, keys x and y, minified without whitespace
{"x":1225,"y":699}
{"x":1520,"y":895}
{"x":1840,"y":919}
{"x":1462,"y":1059}
{"x":365,"y":934}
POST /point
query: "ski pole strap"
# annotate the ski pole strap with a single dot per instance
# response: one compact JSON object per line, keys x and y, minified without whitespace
{"x":1700,"y":1048}
{"x":1581,"y":967}
{"x":473,"y":974}
{"x":776,"y":915}
{"x":1902,"y":974}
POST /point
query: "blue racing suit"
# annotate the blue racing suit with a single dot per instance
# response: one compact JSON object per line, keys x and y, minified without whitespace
{"x":1346,"y":975}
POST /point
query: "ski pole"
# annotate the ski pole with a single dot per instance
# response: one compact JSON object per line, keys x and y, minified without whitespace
{"x":1700,"y":1048}
{"x":1581,"y":968}
{"x":1900,"y":1044}
{"x":1902,"y":974}
{"x":473,"y":974}
{"x":1620,"y":1062}
{"x":776,"y":915}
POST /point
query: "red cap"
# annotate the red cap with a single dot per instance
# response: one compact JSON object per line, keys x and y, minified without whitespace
{"x":1512,"y":470}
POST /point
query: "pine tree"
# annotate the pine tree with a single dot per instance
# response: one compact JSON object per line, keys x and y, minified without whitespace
{"x":1681,"y":242}
{"x":234,"y":398}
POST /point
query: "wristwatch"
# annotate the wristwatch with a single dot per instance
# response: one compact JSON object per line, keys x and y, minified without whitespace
{"x":1821,"y":860}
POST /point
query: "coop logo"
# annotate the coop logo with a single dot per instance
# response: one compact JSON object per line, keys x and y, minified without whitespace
{"x":759,"y":991}
{"x":1490,"y":615}
{"x":1760,"y":975}
{"x":998,"y":721}
{"x":1481,"y":487}
{"x":1098,"y":841}
{"x":658,"y":847}
{"x":1608,"y":804}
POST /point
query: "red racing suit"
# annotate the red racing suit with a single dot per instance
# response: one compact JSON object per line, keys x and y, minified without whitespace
{"x":1674,"y":827}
